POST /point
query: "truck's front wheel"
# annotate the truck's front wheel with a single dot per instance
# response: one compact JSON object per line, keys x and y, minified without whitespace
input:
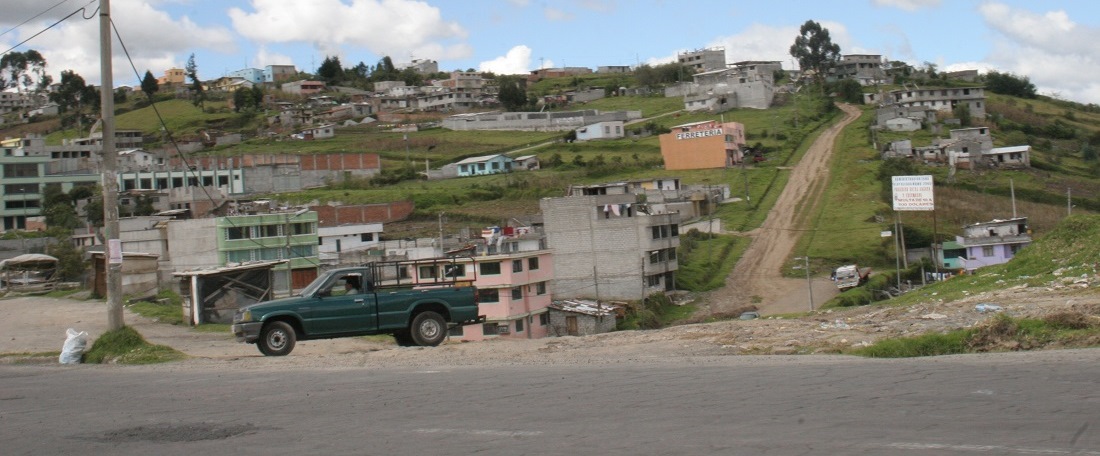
{"x":428,"y":329}
{"x":276,"y":339}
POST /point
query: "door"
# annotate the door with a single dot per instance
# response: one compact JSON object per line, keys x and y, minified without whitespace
{"x":571,"y":326}
{"x":342,"y":307}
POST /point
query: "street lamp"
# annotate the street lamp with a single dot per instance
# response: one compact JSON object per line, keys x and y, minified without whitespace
{"x":809,"y":280}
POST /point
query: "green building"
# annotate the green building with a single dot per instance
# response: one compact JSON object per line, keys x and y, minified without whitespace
{"x":24,"y":179}
{"x":288,"y":236}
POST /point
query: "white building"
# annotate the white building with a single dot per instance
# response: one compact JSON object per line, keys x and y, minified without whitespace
{"x":339,"y":239}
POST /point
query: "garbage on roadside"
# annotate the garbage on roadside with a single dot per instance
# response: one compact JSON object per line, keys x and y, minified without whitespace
{"x":838,"y":324}
{"x":987,"y":307}
{"x":73,"y":350}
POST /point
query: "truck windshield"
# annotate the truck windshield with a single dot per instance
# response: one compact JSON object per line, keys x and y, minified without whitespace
{"x":313,"y":286}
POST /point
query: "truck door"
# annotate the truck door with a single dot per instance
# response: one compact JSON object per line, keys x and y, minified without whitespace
{"x":342,"y":306}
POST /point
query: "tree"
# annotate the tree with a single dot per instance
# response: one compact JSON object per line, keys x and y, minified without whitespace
{"x":962,"y":112}
{"x":815,"y":51}
{"x":512,"y":94}
{"x":198,"y":97}
{"x":149,"y":85}
{"x":74,"y":96}
{"x":1009,"y":84}
{"x":848,"y":90}
{"x":330,"y":70}
{"x":24,"y":70}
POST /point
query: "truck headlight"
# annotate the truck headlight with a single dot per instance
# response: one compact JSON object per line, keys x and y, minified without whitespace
{"x":244,"y":316}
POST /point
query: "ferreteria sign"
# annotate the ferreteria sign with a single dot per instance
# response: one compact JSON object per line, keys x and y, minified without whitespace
{"x":699,"y":134}
{"x":913,"y":193}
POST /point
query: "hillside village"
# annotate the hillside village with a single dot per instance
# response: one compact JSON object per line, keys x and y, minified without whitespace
{"x":217,"y":204}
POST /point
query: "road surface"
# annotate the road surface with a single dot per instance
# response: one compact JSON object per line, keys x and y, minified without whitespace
{"x":757,"y":278}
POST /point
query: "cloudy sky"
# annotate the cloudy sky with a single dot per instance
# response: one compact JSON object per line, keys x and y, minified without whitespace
{"x":1052,"y":42}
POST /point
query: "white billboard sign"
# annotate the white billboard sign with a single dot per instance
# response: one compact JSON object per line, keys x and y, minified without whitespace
{"x":913,"y":193}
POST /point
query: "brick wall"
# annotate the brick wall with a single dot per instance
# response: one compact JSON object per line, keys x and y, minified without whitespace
{"x":330,"y":216}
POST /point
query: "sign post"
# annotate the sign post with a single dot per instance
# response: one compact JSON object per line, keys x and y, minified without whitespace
{"x":917,"y":193}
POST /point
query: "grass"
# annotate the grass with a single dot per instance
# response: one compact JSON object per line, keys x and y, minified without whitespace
{"x":707,"y":260}
{"x":63,"y":293}
{"x":1000,"y":333}
{"x":656,"y":311}
{"x":167,"y":309}
{"x":126,"y":346}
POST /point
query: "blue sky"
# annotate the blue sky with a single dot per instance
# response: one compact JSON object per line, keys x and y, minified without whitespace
{"x":1054,"y":43}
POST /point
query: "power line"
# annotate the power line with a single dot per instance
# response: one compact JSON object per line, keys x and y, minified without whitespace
{"x":52,"y":26}
{"x":190,"y":169}
{"x":32,"y":18}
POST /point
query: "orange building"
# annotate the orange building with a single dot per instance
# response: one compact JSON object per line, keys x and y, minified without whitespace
{"x":702,"y":145}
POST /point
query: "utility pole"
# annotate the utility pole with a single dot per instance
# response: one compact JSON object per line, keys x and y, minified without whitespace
{"x":809,"y":280}
{"x":110,"y":172}
{"x":442,"y":251}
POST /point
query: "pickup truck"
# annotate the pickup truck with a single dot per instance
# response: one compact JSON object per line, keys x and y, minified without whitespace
{"x":361,"y":301}
{"x":850,"y":276}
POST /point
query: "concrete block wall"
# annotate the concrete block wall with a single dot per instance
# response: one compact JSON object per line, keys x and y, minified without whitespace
{"x":588,"y":245}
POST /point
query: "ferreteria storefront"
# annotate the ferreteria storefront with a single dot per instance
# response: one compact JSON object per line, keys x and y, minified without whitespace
{"x":703,"y":145}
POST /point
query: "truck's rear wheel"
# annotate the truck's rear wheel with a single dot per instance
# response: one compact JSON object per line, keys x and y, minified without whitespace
{"x":428,"y":329}
{"x":276,"y":339}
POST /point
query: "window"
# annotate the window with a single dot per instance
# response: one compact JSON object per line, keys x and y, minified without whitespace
{"x":533,"y":264}
{"x":987,"y":251}
{"x":517,"y":265}
{"x":540,"y":288}
{"x":427,"y":272}
{"x":237,"y":232}
{"x":675,"y":229}
{"x":488,"y":295}
{"x":490,"y":268}
{"x":517,"y":293}
{"x":519,"y":325}
{"x":653,"y":280}
{"x":489,"y":329}
{"x":366,"y":237}
{"x":455,"y":331}
{"x":544,"y":318}
{"x":454,"y":270}
{"x":268,"y":231}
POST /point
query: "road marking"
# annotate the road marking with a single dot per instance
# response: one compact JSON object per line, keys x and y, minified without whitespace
{"x":996,"y":449}
{"x":489,"y":432}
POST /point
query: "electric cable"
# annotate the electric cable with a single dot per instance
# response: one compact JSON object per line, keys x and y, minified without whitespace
{"x":36,"y":16}
{"x":50,"y":27}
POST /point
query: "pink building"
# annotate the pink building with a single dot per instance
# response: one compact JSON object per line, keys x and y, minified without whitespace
{"x":512,"y":269}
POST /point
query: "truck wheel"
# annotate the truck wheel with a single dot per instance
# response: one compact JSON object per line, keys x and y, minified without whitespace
{"x":276,"y":339}
{"x":428,"y":329}
{"x":404,"y":338}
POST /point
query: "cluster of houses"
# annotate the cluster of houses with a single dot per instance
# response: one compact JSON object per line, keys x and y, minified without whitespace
{"x":564,"y":271}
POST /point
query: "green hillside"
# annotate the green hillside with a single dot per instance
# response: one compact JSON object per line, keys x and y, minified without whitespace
{"x":844,"y":228}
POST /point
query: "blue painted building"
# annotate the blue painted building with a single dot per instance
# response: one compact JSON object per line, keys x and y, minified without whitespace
{"x":253,"y":75}
{"x":486,"y":164}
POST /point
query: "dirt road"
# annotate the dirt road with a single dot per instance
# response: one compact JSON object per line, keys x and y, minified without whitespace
{"x":756,"y":279}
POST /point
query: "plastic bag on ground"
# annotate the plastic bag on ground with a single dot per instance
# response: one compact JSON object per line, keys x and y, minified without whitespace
{"x":73,"y":349}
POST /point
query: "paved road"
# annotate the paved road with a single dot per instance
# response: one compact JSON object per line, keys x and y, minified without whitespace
{"x":1032,"y":403}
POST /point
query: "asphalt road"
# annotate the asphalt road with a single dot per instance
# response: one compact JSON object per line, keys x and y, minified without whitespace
{"x":1005,"y":404}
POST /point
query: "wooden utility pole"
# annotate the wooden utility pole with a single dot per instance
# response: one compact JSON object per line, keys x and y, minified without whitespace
{"x":110,"y":172}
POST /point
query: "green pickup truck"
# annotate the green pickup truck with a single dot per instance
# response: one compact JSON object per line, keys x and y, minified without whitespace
{"x":360,"y":301}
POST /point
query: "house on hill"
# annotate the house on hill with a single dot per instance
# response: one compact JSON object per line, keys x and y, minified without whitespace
{"x":986,"y":244}
{"x":601,"y":130}
{"x":486,"y":164}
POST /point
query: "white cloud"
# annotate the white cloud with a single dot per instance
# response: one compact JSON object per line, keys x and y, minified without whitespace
{"x":264,"y":58}
{"x":1055,"y":53}
{"x":516,"y":61}
{"x":154,"y":40}
{"x":555,"y":14}
{"x":908,"y":5}
{"x":384,"y":27}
